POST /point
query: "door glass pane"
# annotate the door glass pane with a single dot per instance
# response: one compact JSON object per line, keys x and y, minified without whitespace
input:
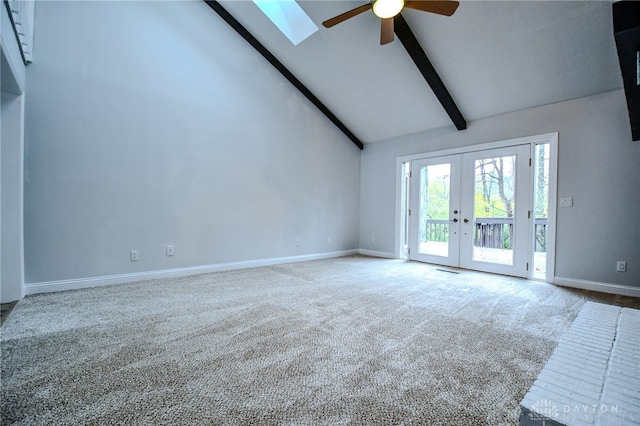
{"x":494,"y":207}
{"x":541,"y":182}
{"x":435,"y":188}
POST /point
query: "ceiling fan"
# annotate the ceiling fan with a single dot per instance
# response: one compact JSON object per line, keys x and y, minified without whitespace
{"x":387,"y":9}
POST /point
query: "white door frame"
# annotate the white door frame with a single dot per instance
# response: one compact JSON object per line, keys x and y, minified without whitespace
{"x":550,"y":138}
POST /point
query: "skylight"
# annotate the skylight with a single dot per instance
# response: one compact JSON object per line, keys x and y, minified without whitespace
{"x":289,"y":17}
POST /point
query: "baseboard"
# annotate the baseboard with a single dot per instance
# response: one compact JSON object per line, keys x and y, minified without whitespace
{"x":622,"y":290}
{"x":73,"y":284}
{"x":78,"y":283}
{"x":373,"y":253}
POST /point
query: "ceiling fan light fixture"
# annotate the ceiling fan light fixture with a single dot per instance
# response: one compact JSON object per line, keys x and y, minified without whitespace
{"x":387,"y":8}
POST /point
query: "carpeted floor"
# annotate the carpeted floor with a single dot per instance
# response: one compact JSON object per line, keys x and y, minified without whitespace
{"x":353,"y":340}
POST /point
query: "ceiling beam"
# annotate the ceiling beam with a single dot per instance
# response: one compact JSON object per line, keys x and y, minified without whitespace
{"x":240,"y":29}
{"x":410,"y":43}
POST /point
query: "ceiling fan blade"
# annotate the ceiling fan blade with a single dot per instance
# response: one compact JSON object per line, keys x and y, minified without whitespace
{"x":344,"y":16}
{"x":441,"y":7}
{"x":386,"y":31}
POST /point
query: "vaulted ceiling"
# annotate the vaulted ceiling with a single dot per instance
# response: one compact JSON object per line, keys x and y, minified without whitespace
{"x":493,"y":57}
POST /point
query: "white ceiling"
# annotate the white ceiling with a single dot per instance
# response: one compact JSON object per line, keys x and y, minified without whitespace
{"x":493,"y":56}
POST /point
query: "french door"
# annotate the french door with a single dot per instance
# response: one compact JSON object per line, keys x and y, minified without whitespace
{"x":472,"y":210}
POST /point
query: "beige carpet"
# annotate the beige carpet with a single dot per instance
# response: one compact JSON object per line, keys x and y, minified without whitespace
{"x":352,"y":340}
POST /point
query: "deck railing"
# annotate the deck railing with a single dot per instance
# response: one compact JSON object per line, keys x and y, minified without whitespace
{"x":436,"y":230}
{"x":540,"y":224}
{"x":490,"y":232}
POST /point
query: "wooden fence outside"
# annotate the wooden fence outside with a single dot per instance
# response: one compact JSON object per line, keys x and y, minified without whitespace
{"x":490,"y":232}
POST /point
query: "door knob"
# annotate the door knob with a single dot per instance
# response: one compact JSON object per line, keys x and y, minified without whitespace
{"x":455,"y":212}
{"x":466,"y":221}
{"x":455,"y":219}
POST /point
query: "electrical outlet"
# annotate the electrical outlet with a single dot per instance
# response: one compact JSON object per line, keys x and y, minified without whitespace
{"x":170,"y":250}
{"x":621,"y":266}
{"x":329,"y":240}
{"x":566,"y":202}
{"x":297,"y":242}
{"x":373,"y":240}
{"x":133,"y":255}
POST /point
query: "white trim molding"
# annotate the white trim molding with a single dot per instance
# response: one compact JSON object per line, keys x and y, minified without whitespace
{"x":78,"y":283}
{"x":525,"y":140}
{"x":381,"y":254}
{"x":619,"y":289}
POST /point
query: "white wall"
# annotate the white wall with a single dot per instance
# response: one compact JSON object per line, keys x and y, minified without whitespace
{"x":598,"y":167}
{"x":157,"y":124}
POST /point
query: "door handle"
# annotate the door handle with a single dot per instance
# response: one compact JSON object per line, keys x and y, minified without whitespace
{"x":466,"y":221}
{"x":454,"y":219}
